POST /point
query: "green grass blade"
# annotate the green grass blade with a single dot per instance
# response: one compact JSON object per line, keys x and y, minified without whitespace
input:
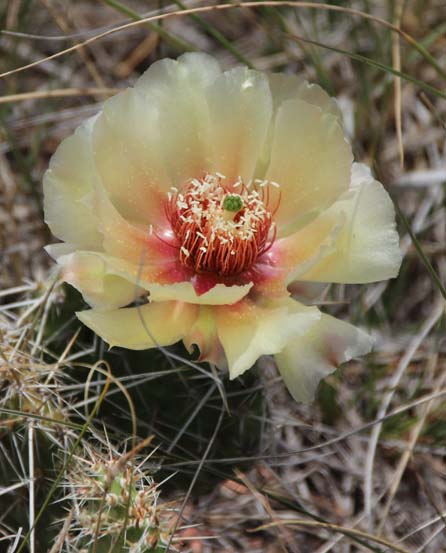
{"x":219,"y":37}
{"x":433,"y":274}
{"x":57,"y":422}
{"x":175,"y":41}
{"x":432,"y":37}
{"x":428,"y":57}
{"x":376,"y":64}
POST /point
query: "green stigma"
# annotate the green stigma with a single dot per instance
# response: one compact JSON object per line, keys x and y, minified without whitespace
{"x":232,"y":202}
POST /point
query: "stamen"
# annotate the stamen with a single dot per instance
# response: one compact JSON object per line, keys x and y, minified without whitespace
{"x":219,"y":231}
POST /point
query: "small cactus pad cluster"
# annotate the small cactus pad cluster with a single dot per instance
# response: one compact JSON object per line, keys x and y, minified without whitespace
{"x":108,"y":502}
{"x":27,"y":385}
{"x":116,"y":507}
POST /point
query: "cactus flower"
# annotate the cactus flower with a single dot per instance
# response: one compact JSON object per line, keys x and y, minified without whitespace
{"x":211,"y":196}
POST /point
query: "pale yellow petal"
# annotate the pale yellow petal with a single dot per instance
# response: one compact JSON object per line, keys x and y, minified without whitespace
{"x":151,"y":325}
{"x":298,"y":252}
{"x":59,"y":249}
{"x":69,"y":179}
{"x":308,"y":293}
{"x":285,"y":86}
{"x":108,"y":282}
{"x":310,"y":160}
{"x":294,"y":255}
{"x":129,"y":157}
{"x":203,"y":334}
{"x":135,"y":244}
{"x":240,"y":110}
{"x":308,"y":358}
{"x":288,"y":87}
{"x":96,"y":276}
{"x":193,"y":69}
{"x":220,"y":294}
{"x":175,"y":90}
{"x":367,"y":248}
{"x":247,"y":330}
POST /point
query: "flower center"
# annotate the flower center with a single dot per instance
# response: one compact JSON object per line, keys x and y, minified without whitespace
{"x":222,"y":228}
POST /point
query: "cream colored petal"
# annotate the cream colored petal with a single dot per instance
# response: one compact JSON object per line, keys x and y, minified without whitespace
{"x":193,"y":68}
{"x":298,"y":252}
{"x":367,"y":248}
{"x":288,"y":87}
{"x":108,"y":282}
{"x":285,"y":87}
{"x":99,"y":280}
{"x":307,"y":359}
{"x":308,"y":293}
{"x":240,"y":109}
{"x":120,"y":237}
{"x":152,"y":137}
{"x":58,"y":250}
{"x":310,"y":160}
{"x":66,"y":183}
{"x":175,"y":90}
{"x":247,"y":330}
{"x":204,"y":335}
{"x":294,"y":255}
{"x":151,"y":325}
{"x":129,"y":157}
{"x":220,"y":294}
{"x":135,"y":244}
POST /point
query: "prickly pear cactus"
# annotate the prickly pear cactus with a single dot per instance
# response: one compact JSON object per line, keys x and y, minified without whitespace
{"x":115,"y":508}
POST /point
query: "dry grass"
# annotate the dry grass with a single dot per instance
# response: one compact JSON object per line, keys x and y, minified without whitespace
{"x":362,"y":469}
